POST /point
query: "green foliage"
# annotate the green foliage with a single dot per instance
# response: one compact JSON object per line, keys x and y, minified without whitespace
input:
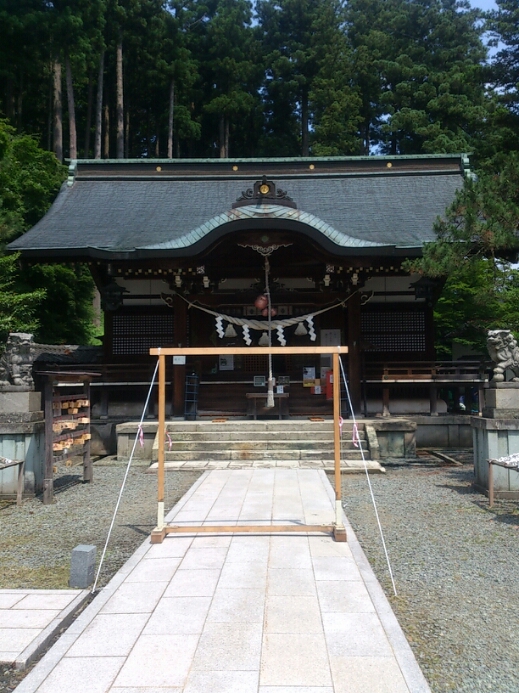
{"x":66,"y":314}
{"x":54,"y":301}
{"x":477,"y":240}
{"x":18,"y":310}
{"x":29,"y":179}
{"x":476,"y":298}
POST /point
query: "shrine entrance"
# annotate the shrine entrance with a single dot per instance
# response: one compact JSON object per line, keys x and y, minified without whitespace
{"x":160,"y":531}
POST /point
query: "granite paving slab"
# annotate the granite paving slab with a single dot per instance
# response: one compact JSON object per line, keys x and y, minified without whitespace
{"x":229,"y":613}
{"x":29,"y":619}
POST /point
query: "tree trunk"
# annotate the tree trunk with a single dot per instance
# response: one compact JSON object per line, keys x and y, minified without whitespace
{"x":170,"y":118}
{"x":57,"y":139}
{"x":71,"y":110}
{"x":88,"y":125}
{"x":9,"y":100}
{"x":120,"y":100}
{"x":127,"y":133}
{"x":99,"y":107}
{"x":224,"y":130}
{"x":50,"y":113}
{"x":19,"y":105}
{"x":106,"y":143}
{"x":227,"y":125}
{"x":304,"y":122}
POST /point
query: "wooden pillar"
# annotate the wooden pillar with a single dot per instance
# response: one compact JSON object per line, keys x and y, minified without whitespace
{"x":88,"y":470}
{"x":161,"y":436}
{"x":179,"y":372}
{"x":433,"y":398}
{"x":385,"y":402}
{"x":354,"y":360}
{"x":339,"y":531}
{"x":48,"y":481}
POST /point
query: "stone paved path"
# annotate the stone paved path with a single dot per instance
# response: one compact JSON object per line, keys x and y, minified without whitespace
{"x":238,"y":614}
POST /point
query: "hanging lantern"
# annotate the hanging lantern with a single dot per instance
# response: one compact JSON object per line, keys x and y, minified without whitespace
{"x":264,"y":339}
{"x":265,"y":312}
{"x":261,"y":302}
{"x":300,"y":330}
{"x":230,"y":331}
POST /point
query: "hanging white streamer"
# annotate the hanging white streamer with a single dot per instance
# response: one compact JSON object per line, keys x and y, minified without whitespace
{"x":281,"y":335}
{"x":246,"y":335}
{"x":219,"y":327}
{"x":311,"y":331}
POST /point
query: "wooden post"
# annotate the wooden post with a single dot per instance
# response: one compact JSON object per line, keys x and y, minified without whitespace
{"x":179,"y":372}
{"x":354,"y":360}
{"x":433,"y":398}
{"x":88,"y":470}
{"x":161,"y":432}
{"x":490,"y":484}
{"x":48,"y":481}
{"x":385,"y":402}
{"x":339,"y":530}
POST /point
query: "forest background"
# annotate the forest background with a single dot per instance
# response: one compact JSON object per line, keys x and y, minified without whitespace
{"x":220,"y":78}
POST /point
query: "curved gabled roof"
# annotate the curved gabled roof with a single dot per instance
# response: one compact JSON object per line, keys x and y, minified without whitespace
{"x":125,"y":209}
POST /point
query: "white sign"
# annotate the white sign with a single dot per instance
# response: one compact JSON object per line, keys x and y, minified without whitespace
{"x":226,"y":363}
{"x":179,"y":360}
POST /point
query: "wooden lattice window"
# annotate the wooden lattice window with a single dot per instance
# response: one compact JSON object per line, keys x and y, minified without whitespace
{"x":135,"y":334}
{"x":255,"y":364}
{"x":395,"y":330}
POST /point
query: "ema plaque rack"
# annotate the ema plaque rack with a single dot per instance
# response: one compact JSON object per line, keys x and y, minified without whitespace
{"x":67,"y":424}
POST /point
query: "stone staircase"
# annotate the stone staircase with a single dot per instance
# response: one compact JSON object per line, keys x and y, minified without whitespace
{"x":237,"y":443}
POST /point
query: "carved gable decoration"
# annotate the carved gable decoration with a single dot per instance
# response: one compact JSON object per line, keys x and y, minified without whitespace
{"x":264,"y":192}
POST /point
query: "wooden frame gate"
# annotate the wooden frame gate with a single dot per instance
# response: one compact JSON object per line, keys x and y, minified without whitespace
{"x":160,"y":531}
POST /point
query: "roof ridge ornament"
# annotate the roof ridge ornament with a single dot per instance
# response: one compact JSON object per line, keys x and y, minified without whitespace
{"x":264,"y":192}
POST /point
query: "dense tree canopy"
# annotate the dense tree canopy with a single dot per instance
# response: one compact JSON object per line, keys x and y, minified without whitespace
{"x":243,"y":78}
{"x":209,"y":78}
{"x":29,"y":180}
{"x":477,"y":242}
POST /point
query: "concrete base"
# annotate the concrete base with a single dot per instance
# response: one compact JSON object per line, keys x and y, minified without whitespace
{"x":495,"y":435}
{"x":126,"y":440}
{"x":395,"y":437}
{"x":495,"y":438}
{"x":22,"y":437}
{"x":18,"y":400}
{"x":104,"y":438}
{"x":450,"y":431}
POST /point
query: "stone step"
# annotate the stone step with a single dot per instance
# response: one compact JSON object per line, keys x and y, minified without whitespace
{"x":239,"y":435}
{"x":347,"y":466}
{"x":192,"y":455}
{"x":252,"y":446}
{"x":256,"y":426}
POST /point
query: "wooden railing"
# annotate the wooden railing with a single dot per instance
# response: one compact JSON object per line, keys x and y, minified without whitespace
{"x":431,"y":374}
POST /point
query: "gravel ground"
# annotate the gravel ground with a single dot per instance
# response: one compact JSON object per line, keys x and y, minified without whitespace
{"x":455,"y":561}
{"x":456,"y":569}
{"x":36,"y":540}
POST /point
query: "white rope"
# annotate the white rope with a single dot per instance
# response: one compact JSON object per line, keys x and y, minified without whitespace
{"x":137,"y":436}
{"x":258,"y":324}
{"x":369,"y":480}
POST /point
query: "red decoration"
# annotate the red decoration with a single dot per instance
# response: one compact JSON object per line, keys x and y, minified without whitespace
{"x":261,"y":302}
{"x":273,"y":312}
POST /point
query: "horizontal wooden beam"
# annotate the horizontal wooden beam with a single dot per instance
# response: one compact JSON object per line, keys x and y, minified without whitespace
{"x":158,"y":534}
{"x":222,"y":351}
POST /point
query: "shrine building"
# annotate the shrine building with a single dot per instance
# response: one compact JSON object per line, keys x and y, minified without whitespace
{"x":188,"y":253}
